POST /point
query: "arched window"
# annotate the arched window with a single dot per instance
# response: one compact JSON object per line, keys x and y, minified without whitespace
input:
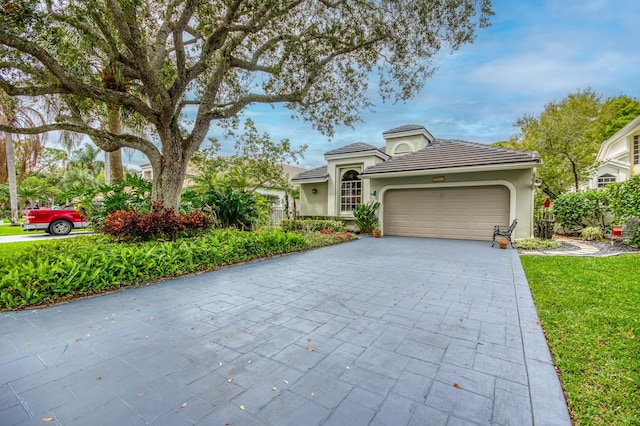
{"x":350,"y":190}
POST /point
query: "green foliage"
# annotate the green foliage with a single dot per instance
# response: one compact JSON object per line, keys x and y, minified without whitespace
{"x":625,"y":198}
{"x":537,"y":244}
{"x":336,"y":218}
{"x":133,"y":193}
{"x":568,"y":135}
{"x":63,"y":269}
{"x":591,"y":233}
{"x":580,"y":209}
{"x":257,"y":163}
{"x":589,"y":311}
{"x":312,"y":225}
{"x":619,"y":111}
{"x":235,"y":208}
{"x":366,"y":216}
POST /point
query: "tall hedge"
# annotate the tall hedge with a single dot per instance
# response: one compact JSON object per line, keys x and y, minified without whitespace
{"x":625,"y":198}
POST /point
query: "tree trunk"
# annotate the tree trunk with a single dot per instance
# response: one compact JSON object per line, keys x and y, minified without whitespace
{"x":11,"y":172}
{"x":168,"y":180}
{"x":116,"y":172}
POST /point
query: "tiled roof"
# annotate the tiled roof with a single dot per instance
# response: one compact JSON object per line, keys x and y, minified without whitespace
{"x":313,"y":174}
{"x":405,"y":128}
{"x":445,"y":154}
{"x":354,"y":147}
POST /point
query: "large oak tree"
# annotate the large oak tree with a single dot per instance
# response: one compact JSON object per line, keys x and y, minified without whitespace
{"x":191,"y":63}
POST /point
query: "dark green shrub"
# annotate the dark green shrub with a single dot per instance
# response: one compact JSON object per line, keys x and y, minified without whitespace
{"x":366,"y":216}
{"x":232,"y":208}
{"x":625,"y":198}
{"x":333,"y":218}
{"x":580,"y":209}
{"x":311,"y":225}
{"x":134,"y":193}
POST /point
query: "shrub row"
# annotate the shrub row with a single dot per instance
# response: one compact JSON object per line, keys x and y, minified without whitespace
{"x":312,"y":225}
{"x":88,"y":265}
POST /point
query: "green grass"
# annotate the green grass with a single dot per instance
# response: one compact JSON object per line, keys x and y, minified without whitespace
{"x":12,"y":230}
{"x":590,"y":311}
{"x":7,"y":230}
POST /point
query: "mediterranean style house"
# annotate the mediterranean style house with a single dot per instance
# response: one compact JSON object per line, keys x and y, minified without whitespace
{"x":619,"y":156}
{"x":427,"y":187}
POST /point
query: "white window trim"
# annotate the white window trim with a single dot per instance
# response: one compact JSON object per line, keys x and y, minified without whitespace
{"x":357,"y":187}
{"x":604,"y":180}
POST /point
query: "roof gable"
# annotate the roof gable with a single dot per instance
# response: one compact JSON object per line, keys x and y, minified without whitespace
{"x":317,"y":174}
{"x":352,"y":148}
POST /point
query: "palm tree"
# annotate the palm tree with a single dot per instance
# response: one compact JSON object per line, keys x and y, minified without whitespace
{"x":15,"y":113}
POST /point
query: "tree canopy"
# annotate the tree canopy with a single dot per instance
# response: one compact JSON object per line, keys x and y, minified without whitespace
{"x":568,"y":135}
{"x":188,"y":63}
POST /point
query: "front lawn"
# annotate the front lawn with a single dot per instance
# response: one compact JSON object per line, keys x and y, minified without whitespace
{"x":72,"y":267}
{"x":7,"y":229}
{"x":590,"y":312}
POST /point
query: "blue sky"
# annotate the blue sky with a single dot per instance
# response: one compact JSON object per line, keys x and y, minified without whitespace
{"x":535,"y":52}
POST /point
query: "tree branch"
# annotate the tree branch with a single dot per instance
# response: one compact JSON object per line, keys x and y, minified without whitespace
{"x":72,"y":85}
{"x":105,"y":140}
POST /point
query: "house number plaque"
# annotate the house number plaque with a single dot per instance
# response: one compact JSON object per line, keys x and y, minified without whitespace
{"x":437,"y":179}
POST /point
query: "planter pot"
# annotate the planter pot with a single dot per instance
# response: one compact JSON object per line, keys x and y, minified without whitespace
{"x":376,"y":233}
{"x":503,"y":243}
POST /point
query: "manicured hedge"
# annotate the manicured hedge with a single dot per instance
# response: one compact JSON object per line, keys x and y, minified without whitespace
{"x":88,"y":265}
{"x":312,"y":225}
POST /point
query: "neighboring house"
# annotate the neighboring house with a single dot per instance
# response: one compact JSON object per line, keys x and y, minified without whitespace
{"x":146,"y":172}
{"x":427,"y":187}
{"x":279,"y":195}
{"x":619,"y":156}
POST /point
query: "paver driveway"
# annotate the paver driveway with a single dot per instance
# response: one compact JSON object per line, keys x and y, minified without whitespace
{"x":387,"y":331}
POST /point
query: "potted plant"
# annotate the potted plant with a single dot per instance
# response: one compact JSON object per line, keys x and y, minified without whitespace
{"x":503,"y":242}
{"x":366,"y":217}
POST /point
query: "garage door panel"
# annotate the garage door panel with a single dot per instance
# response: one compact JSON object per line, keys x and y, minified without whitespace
{"x":458,"y":213}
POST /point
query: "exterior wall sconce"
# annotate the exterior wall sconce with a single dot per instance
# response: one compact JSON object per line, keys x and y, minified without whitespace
{"x":314,"y":191}
{"x":374,"y":193}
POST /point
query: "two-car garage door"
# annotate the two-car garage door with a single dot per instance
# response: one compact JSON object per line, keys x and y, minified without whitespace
{"x":460,"y":213}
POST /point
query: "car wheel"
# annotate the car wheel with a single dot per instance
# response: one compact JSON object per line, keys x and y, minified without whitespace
{"x":60,"y":227}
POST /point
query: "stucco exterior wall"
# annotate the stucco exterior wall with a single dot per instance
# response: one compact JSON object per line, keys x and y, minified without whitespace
{"x":414,"y":142}
{"x":313,"y":204}
{"x":519,"y":183}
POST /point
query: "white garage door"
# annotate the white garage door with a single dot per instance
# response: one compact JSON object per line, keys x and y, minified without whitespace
{"x":461,"y":213}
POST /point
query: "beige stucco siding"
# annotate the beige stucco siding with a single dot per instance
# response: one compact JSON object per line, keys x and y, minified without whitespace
{"x":518,"y":182}
{"x":313,"y":204}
